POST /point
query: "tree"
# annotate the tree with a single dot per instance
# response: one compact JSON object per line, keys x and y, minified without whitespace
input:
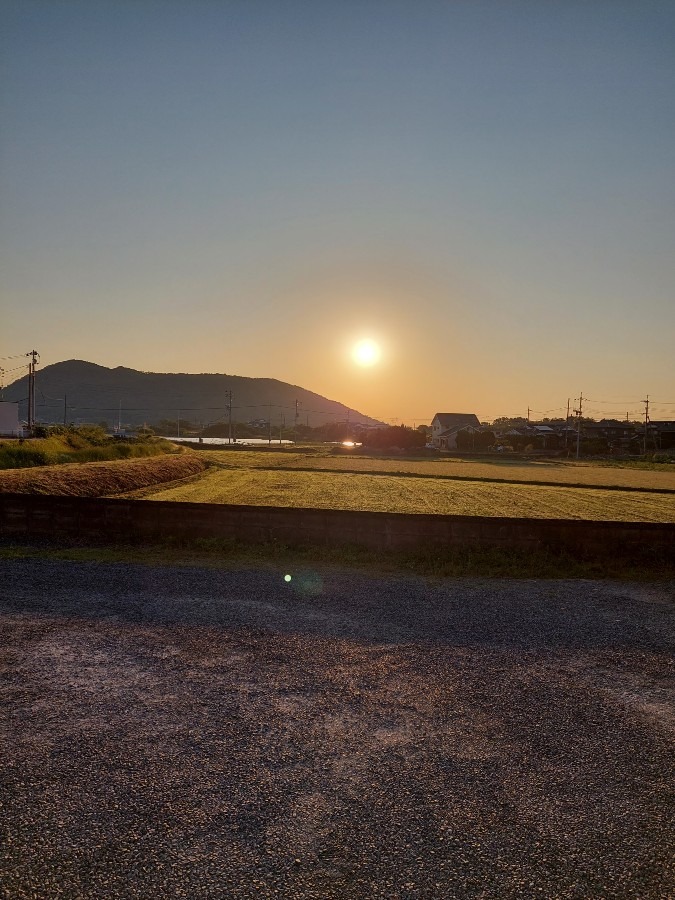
{"x":468,"y":440}
{"x":504,"y":423}
{"x":393,"y":436}
{"x":485,"y":439}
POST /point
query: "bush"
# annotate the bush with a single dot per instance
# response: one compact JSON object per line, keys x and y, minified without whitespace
{"x":92,"y":434}
{"x":21,"y":456}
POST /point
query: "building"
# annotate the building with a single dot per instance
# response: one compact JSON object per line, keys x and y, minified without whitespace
{"x":662,"y":435}
{"x":446,"y":426}
{"x":9,"y":419}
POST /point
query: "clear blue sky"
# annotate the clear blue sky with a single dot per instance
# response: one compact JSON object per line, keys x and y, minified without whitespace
{"x":485,"y":188}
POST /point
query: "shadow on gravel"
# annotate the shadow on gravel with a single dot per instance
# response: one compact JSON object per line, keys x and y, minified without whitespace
{"x":533,"y":614}
{"x":198,"y":733}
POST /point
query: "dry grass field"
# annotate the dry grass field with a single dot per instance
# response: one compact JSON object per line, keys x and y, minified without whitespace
{"x":547,"y":489}
{"x":395,"y":493}
{"x":561,"y":472}
{"x":99,"y":479}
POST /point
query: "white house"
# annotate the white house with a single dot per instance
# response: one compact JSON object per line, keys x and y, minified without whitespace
{"x":9,"y":419}
{"x":446,"y":426}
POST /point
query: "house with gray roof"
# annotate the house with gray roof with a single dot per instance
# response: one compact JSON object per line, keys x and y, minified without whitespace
{"x":446,"y":426}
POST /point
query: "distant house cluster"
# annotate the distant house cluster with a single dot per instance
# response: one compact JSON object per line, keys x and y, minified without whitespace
{"x":449,"y":431}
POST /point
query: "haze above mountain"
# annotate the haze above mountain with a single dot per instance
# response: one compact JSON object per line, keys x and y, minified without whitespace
{"x":93,"y":393}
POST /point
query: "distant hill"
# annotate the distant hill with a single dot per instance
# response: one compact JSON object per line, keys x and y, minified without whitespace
{"x":94,"y":394}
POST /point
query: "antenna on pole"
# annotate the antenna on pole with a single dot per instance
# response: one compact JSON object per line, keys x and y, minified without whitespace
{"x":646,"y":403}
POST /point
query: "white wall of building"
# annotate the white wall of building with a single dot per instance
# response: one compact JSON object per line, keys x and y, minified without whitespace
{"x":9,"y":419}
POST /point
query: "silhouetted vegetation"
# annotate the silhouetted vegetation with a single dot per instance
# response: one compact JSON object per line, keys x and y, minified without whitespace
{"x":393,"y":436}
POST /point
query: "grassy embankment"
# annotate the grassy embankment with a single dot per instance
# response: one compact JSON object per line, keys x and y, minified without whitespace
{"x":448,"y":487}
{"x":83,"y":444}
{"x":86,"y":463}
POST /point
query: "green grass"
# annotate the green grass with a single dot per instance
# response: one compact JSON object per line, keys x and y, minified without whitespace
{"x":428,"y":563}
{"x":58,"y":449}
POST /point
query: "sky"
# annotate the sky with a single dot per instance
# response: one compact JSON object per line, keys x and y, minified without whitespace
{"x":485,"y":189}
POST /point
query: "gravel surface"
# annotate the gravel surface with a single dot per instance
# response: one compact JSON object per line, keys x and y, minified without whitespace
{"x":184,"y":732}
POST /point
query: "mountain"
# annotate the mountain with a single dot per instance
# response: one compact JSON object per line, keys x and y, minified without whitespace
{"x":94,"y":394}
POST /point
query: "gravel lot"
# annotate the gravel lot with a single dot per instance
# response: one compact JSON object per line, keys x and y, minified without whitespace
{"x":173,"y":732}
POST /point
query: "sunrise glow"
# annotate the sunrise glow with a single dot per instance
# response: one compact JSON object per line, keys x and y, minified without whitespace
{"x":366,"y":353}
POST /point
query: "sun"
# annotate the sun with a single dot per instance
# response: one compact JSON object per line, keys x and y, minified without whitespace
{"x":366,"y":353}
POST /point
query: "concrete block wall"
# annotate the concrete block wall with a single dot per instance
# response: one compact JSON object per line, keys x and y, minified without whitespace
{"x":29,"y":515}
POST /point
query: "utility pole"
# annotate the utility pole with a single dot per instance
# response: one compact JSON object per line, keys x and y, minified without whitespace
{"x":528,"y":415}
{"x":578,"y":414}
{"x":34,"y":355}
{"x":228,"y":394}
{"x":567,"y":421}
{"x":297,"y":416}
{"x":646,"y":403}
{"x":65,"y":410}
{"x":269,"y":425}
{"x":119,"y":418}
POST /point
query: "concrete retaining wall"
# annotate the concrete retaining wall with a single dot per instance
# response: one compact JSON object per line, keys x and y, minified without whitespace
{"x":100,"y":518}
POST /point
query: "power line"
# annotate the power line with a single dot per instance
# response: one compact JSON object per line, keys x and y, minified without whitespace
{"x":15,"y":369}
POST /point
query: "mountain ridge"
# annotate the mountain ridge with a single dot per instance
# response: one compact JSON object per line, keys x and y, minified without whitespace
{"x":93,"y":393}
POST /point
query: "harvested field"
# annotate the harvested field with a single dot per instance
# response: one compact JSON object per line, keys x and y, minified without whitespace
{"x":323,"y":490}
{"x":546,"y":471}
{"x":101,"y":479}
